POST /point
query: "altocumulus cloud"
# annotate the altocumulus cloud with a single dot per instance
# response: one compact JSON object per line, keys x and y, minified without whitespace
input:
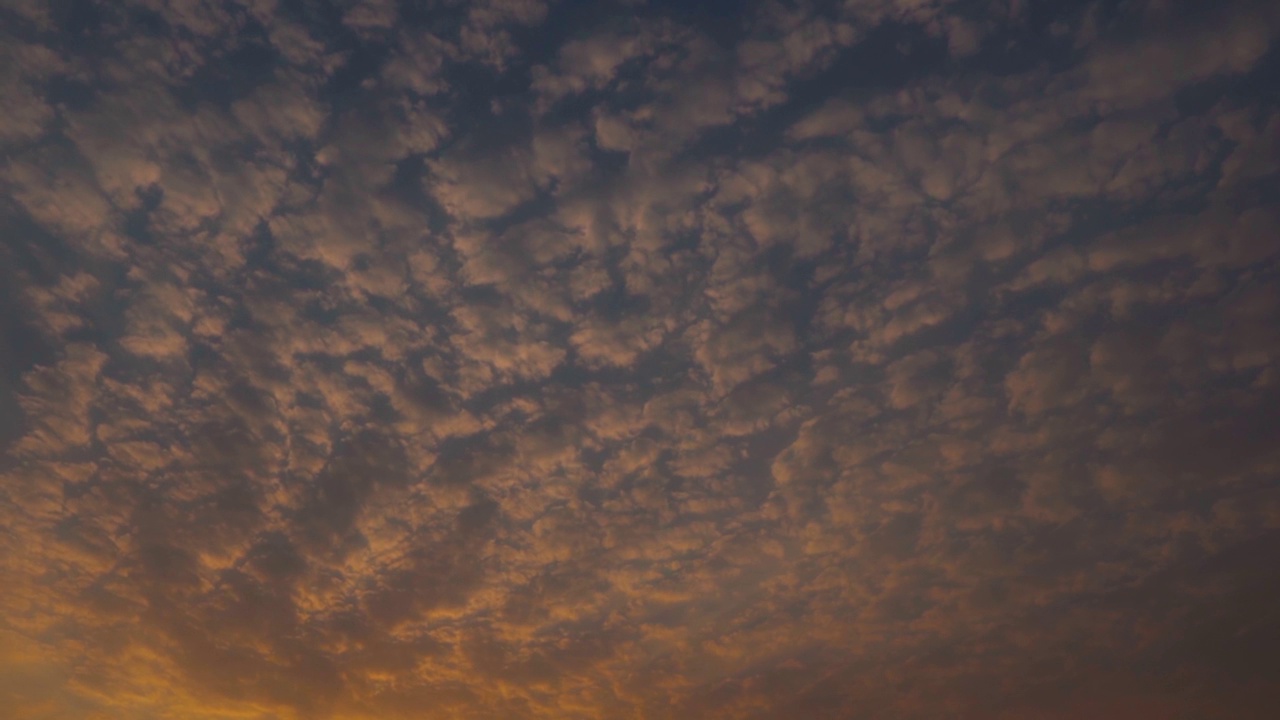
{"x":623,"y":359}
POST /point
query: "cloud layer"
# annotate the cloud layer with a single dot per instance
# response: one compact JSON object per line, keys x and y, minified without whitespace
{"x":551,"y":359}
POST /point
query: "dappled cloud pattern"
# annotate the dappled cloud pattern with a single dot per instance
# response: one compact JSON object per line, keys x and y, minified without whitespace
{"x":512,"y":359}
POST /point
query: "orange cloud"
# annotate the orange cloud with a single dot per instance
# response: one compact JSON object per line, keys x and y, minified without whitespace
{"x":883,"y":358}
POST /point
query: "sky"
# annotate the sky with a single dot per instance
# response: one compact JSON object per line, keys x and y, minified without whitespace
{"x":627,"y":360}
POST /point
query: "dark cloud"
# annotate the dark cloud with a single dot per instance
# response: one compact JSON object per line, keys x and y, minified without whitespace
{"x":525,"y":359}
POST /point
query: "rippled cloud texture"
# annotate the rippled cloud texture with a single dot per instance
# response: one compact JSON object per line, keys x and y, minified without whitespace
{"x":579,"y":360}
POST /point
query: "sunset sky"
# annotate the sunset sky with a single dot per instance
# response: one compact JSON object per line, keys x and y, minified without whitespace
{"x":639,"y":360}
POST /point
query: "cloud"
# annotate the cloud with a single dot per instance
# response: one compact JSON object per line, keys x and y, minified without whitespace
{"x":591,"y":63}
{"x":520,"y":359}
{"x":58,"y":401}
{"x":1229,"y":43}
